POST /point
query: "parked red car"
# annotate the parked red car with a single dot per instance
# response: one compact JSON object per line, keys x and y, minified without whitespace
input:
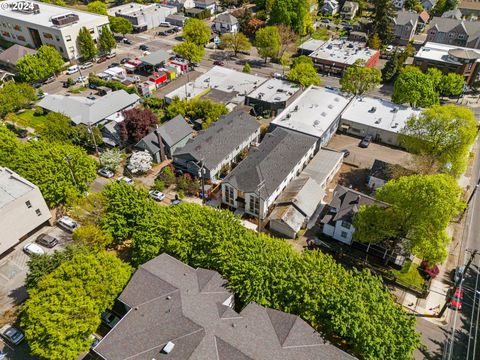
{"x":102,"y":59}
{"x":456,"y":301}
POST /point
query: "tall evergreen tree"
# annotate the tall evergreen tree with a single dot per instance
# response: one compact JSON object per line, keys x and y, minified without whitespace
{"x":86,"y":44}
{"x":106,"y":41}
{"x":383,"y":20}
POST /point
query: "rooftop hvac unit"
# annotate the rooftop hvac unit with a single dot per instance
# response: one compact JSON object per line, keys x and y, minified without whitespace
{"x":296,"y":108}
{"x":372,"y":110}
{"x":288,"y":116}
{"x":330,"y":106}
{"x":168,"y":347}
{"x":378,"y":121}
{"x":66,"y":19}
{"x":395,"y":110}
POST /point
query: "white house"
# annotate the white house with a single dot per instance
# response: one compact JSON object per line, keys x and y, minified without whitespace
{"x":40,"y":24}
{"x":337,"y":223}
{"x":225,"y":22}
{"x":258,"y":180}
{"x":206,"y":5}
{"x":330,"y":7}
{"x":22,"y":209}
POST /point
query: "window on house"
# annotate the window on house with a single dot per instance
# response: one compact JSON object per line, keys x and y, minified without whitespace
{"x":21,"y":38}
{"x":461,"y":36}
{"x":47,"y":35}
{"x":60,"y":49}
{"x":344,"y":234}
{"x":451,"y":35}
{"x":229,"y":195}
{"x":57,"y":38}
{"x":346,"y":224}
{"x":18,"y":27}
{"x":29,"y":204}
{"x":254,"y":204}
{"x":38,"y":212}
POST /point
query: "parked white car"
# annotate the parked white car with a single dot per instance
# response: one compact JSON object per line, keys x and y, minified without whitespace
{"x":72,"y":69}
{"x":125,"y":179}
{"x":32,"y":248}
{"x":68,"y":223}
{"x":157,"y":195}
{"x":86,"y":65}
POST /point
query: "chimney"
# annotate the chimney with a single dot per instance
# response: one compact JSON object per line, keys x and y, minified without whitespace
{"x":161,"y":145}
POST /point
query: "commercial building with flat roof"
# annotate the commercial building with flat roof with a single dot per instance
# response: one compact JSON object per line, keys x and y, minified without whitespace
{"x":376,"y":117}
{"x":22,"y":208}
{"x":272,"y":96}
{"x":220,"y":78}
{"x":143,"y":16}
{"x":337,"y":54}
{"x":38,"y":23}
{"x":315,"y":112}
{"x":449,"y":58}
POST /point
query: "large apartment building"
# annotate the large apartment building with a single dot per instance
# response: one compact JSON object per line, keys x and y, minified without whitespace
{"x":34,"y":24}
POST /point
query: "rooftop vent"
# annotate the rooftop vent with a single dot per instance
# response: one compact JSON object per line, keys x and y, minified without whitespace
{"x":395,"y":109}
{"x":270,"y":86}
{"x":167,"y":349}
{"x":277,"y":98}
{"x":66,"y":19}
{"x":330,"y":106}
{"x":372,"y":110}
{"x":378,"y":121}
{"x":324,"y":114}
{"x":288,"y":116}
{"x":394,"y":125}
{"x":336,"y":99}
{"x":296,"y":108}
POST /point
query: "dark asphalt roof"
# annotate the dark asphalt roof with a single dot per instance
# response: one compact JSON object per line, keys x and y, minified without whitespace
{"x":220,"y":138}
{"x":271,"y":161}
{"x":172,"y":132}
{"x":172,"y":302}
{"x":386,"y":171}
{"x":15,"y":53}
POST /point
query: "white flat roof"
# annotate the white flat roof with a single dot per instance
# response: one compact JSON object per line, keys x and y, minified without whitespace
{"x":439,"y":52}
{"x":343,"y":51}
{"x":313,"y":112}
{"x":311,"y":44}
{"x":47,"y":11}
{"x":12,"y":186}
{"x":275,"y":90}
{"x":220,"y":78}
{"x":377,"y":113}
{"x":135,"y":9}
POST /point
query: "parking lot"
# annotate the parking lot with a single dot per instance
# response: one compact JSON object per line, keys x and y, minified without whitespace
{"x":364,"y":157}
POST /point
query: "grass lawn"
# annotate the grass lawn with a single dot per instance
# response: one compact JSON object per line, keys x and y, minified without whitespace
{"x":410,"y":275}
{"x":27,"y":118}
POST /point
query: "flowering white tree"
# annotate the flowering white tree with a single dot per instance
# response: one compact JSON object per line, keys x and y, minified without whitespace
{"x":140,"y":162}
{"x":111,"y":159}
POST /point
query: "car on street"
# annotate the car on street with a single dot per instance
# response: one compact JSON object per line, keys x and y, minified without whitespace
{"x":125,"y":179}
{"x":105,"y":173}
{"x":456,"y":300}
{"x":32,"y":248}
{"x":81,"y":79}
{"x":114,"y":64}
{"x":110,"y":319}
{"x":458,"y":275}
{"x":86,"y":65}
{"x":46,"y":240}
{"x":144,"y":47}
{"x":49,"y":80}
{"x":345,"y":152}
{"x":157,"y":195}
{"x":95,"y":340}
{"x":101,"y":59}
{"x":126,"y":41}
{"x":165,"y":24}
{"x":162,"y":33}
{"x":111,"y":55}
{"x":67,"y":223}
{"x":124,"y":60}
{"x":219,"y":63}
{"x":72,"y":69}
{"x":365,"y":141}
{"x":12,"y":334}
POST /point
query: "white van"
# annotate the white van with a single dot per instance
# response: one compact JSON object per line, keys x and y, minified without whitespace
{"x":72,"y":69}
{"x":165,"y":24}
{"x":67,"y":223}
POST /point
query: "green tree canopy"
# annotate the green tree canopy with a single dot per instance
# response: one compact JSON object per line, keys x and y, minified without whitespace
{"x":415,"y":88}
{"x":374,"y":41}
{"x":236,"y":42}
{"x":86,"y":44}
{"x":190,"y":51}
{"x":443,"y":134}
{"x":246,"y":68}
{"x":64,"y":308}
{"x":384,"y":15}
{"x":120,"y":25}
{"x":303,"y":71}
{"x":106,"y":41}
{"x":45,"y":62}
{"x":267,"y":41}
{"x":196,"y":31}
{"x":358,"y":79}
{"x":97,"y":7}
{"x":92,"y":237}
{"x":14,"y":97}
{"x":421,"y":206}
{"x":451,"y":85}
{"x":354,"y":306}
{"x":195,"y":108}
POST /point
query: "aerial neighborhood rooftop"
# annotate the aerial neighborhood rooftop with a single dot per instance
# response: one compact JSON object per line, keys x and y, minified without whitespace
{"x":218,"y":180}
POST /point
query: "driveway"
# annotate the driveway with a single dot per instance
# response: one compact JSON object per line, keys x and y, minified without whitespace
{"x":364,"y":158}
{"x":14,"y":268}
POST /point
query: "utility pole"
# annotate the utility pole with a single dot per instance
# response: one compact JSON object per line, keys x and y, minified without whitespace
{"x":68,"y":159}
{"x":260,"y":217}
{"x":89,"y":129}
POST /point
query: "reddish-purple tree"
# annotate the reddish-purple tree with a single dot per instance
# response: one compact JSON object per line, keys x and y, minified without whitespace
{"x":136,"y":125}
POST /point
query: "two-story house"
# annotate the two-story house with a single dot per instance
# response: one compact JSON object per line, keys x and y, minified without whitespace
{"x":258,"y":180}
{"x":210,"y":5}
{"x":218,"y":146}
{"x":225,"y":23}
{"x":405,"y":26}
{"x":454,"y":32}
{"x":330,"y":7}
{"x":349,"y":10}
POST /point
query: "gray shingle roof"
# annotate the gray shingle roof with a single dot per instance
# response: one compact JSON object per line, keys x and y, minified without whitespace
{"x":167,"y":304}
{"x":172,"y":132}
{"x":85,"y":111}
{"x":156,"y":57}
{"x":406,"y":17}
{"x":471,"y":28}
{"x":226,"y":18}
{"x":347,"y":202}
{"x":220,"y":138}
{"x":15,"y":53}
{"x":271,"y":161}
